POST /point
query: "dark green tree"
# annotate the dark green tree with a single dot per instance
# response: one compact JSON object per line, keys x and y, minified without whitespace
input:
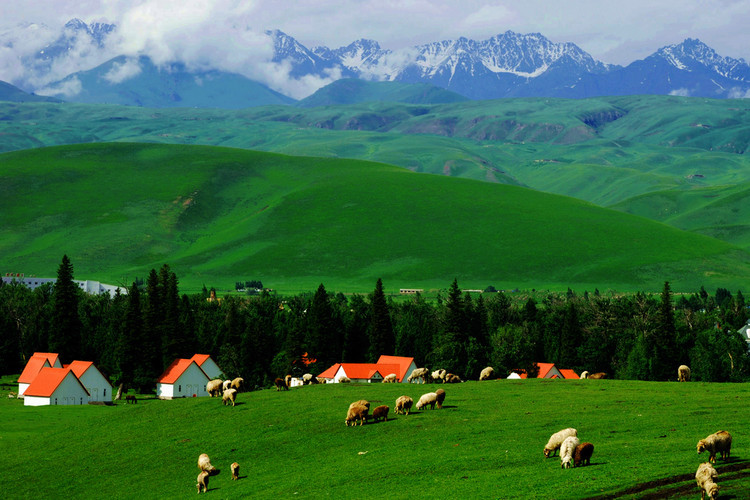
{"x":151,"y":364}
{"x":356,"y":340}
{"x":382,"y":338}
{"x":131,"y":338}
{"x":65,"y":336}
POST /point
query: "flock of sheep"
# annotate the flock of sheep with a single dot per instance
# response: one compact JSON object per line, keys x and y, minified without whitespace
{"x":207,"y":470}
{"x":227,"y":389}
{"x":359,"y":410}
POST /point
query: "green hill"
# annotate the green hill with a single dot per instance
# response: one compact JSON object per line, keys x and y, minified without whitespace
{"x":12,"y":93}
{"x":352,"y":91}
{"x":219,"y":215}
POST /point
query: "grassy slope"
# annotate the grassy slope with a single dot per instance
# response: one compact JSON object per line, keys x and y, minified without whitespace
{"x":485,"y":443}
{"x":220,"y":215}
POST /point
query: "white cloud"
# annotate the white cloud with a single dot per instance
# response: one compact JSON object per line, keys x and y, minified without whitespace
{"x":683,"y":92}
{"x":67,"y":88}
{"x":738,"y":93}
{"x":123,"y":71}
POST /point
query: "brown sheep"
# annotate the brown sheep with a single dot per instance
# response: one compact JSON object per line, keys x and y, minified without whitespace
{"x":718,"y":442}
{"x":706,"y":477}
{"x":131,"y":399}
{"x":230,"y":395}
{"x":280,"y":384}
{"x":203,"y":481}
{"x":238,"y":383}
{"x":235,"y":467}
{"x":288,"y":381}
{"x":356,"y":412}
{"x":582,"y":454}
{"x":213,"y":387}
{"x":599,"y":375}
{"x":403,"y":405}
{"x":440,"y":398}
{"x":683,"y":373}
{"x":204,"y":464}
{"x":362,"y":402}
{"x":380,"y":412}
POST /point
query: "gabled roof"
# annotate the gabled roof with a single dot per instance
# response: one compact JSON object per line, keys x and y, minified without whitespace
{"x":544,"y":369}
{"x":403,"y":364}
{"x":52,"y":357}
{"x":176,"y":369}
{"x":200,"y":358}
{"x":568,"y":373}
{"x":48,"y":380}
{"x":366,"y":371}
{"x":33,"y":366}
{"x":330,"y":372}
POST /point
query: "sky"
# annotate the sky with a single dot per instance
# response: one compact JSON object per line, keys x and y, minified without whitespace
{"x":614,"y":32}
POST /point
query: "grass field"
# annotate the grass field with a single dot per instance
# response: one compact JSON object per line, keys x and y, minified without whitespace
{"x":485,"y":443}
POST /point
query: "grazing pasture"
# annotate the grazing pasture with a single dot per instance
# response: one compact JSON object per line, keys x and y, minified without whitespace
{"x":486,"y":442}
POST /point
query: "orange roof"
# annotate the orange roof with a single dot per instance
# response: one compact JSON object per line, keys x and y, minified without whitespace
{"x":51,"y":357}
{"x":330,"y":372}
{"x":33,"y":366}
{"x":175,"y":371}
{"x":200,"y":358}
{"x":402,"y":363}
{"x":568,"y":373}
{"x":544,"y":369}
{"x":48,"y":381}
{"x":367,"y":370}
{"x":79,"y":367}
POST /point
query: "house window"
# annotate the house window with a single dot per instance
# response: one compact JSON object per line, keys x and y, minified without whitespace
{"x":55,"y":400}
{"x":81,"y":400}
{"x":179,"y":388}
{"x":105,"y":393}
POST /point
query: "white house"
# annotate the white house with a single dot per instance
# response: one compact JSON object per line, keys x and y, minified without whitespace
{"x":371,"y":372}
{"x":55,"y":386}
{"x":182,"y":379}
{"x":92,"y":379}
{"x":36,"y":362}
{"x":744,"y":331}
{"x":208,"y":365}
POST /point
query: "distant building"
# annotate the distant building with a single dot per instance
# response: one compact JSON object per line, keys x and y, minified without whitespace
{"x":55,"y":386}
{"x":208,"y":365}
{"x":184,"y":378}
{"x":88,"y":286}
{"x":745,"y":332}
{"x":33,"y":366}
{"x":548,"y":370}
{"x":96,"y":384}
{"x":371,"y":372}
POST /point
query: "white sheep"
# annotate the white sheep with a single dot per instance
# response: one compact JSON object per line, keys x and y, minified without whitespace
{"x":487,"y":374}
{"x":391,"y":378}
{"x":718,"y":442}
{"x":308,"y":379}
{"x":567,"y":448}
{"x":403,"y":405}
{"x":706,"y":477}
{"x":439,"y":375}
{"x":585,"y":374}
{"x":427,"y":399}
{"x":204,"y":464}
{"x":419,"y":373}
{"x":557,"y":439}
{"x":213,"y":387}
{"x":226,"y":385}
{"x":202,"y":481}
{"x":683,"y":373}
{"x":343,"y":379}
{"x":230,"y":395}
{"x":238,"y":383}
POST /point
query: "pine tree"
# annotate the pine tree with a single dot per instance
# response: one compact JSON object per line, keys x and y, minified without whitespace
{"x":65,"y":337}
{"x":665,"y":343}
{"x":382,"y":338}
{"x":151,"y":363}
{"x":131,"y":336}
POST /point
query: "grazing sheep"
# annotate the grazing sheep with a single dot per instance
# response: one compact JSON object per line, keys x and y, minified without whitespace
{"x":391,"y":378}
{"x":705,"y":477}
{"x":130,"y":399}
{"x":230,"y":395}
{"x":683,"y":373}
{"x":718,"y":442}
{"x":280,"y":384}
{"x":238,"y":383}
{"x":556,"y":439}
{"x":213,"y":387}
{"x":487,"y":374}
{"x":419,"y":373}
{"x":356,"y":412}
{"x":309,"y":379}
{"x":361,"y":402}
{"x":288,"y":381}
{"x":439,"y":375}
{"x":403,"y":405}
{"x":440,"y":398}
{"x":11,"y":395}
{"x":598,"y":375}
{"x":585,"y":374}
{"x":235,"y":467}
{"x":204,"y":464}
{"x":343,"y":380}
{"x":203,"y":481}
{"x":567,"y":448}
{"x":380,"y":412}
{"x":452,"y":379}
{"x":582,"y":454}
{"x":320,"y":380}
{"x":226,"y":385}
{"x":427,"y":399}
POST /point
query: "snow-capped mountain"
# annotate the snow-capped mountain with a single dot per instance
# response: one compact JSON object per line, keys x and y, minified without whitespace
{"x":76,"y":34}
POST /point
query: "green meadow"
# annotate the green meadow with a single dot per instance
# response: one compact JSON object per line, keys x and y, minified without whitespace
{"x":221,"y":215}
{"x":486,"y":442}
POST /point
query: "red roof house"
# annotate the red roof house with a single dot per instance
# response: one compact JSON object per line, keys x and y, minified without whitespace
{"x":55,"y":386}
{"x":36,"y":362}
{"x":371,"y":372}
{"x":183,"y":378}
{"x":92,"y":379}
{"x":549,"y":370}
{"x":208,"y":365}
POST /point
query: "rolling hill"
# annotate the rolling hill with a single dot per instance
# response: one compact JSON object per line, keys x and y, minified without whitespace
{"x":218,"y":215}
{"x":351,"y":91}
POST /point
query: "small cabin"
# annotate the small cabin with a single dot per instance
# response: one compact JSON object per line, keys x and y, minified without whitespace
{"x":92,"y":379}
{"x":36,"y":362}
{"x":182,"y":379}
{"x":55,"y":386}
{"x":208,"y":365}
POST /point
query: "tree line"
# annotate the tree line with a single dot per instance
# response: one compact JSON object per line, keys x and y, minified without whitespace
{"x":133,"y":337}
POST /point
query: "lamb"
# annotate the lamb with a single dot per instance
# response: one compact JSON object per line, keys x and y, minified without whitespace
{"x":226,"y":385}
{"x":418,"y":373}
{"x":705,"y":477}
{"x":213,"y":387}
{"x":390,"y":378}
{"x":439,"y":375}
{"x":567,"y":448}
{"x":452,"y":379}
{"x":380,"y":412}
{"x":585,"y":374}
{"x":487,"y":374}
{"x":204,"y":464}
{"x":440,"y":398}
{"x":718,"y":442}
{"x":582,"y":454}
{"x":343,"y":380}
{"x":598,"y":375}
{"x":203,"y":481}
{"x":235,"y":467}
{"x":356,"y":412}
{"x":427,"y":399}
{"x":683,"y":373}
{"x":403,"y":405}
{"x":238,"y":383}
{"x":280,"y":384}
{"x":557,"y":439}
{"x":230,"y":395}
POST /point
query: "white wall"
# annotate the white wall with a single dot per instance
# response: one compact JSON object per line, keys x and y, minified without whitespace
{"x":98,"y":387}
{"x":192,"y":382}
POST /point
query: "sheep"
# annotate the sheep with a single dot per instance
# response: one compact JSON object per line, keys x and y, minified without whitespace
{"x":238,"y":383}
{"x":718,"y":442}
{"x":202,"y":481}
{"x":235,"y":467}
{"x":439,"y":375}
{"x":582,"y":454}
{"x":380,"y":412}
{"x":391,"y":378}
{"x":557,"y":439}
{"x":598,"y":375}
{"x":226,"y":385}
{"x":288,"y":381}
{"x":361,"y":402}
{"x":418,"y":373}
{"x":343,"y":379}
{"x":427,"y":399}
{"x":280,"y":384}
{"x":585,"y":374}
{"x":683,"y":373}
{"x":487,"y":374}
{"x":319,"y":380}
{"x":705,"y":477}
{"x":440,"y":398}
{"x":452,"y":379}
{"x":567,"y":448}
{"x":230,"y":395}
{"x":213,"y":387}
{"x":309,"y":379}
{"x":356,"y":412}
{"x":204,"y":464}
{"x":403,"y":405}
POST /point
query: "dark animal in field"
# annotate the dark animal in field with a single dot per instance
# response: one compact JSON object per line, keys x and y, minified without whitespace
{"x":582,"y":454}
{"x":280,"y":384}
{"x":599,"y":375}
{"x":131,"y":399}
